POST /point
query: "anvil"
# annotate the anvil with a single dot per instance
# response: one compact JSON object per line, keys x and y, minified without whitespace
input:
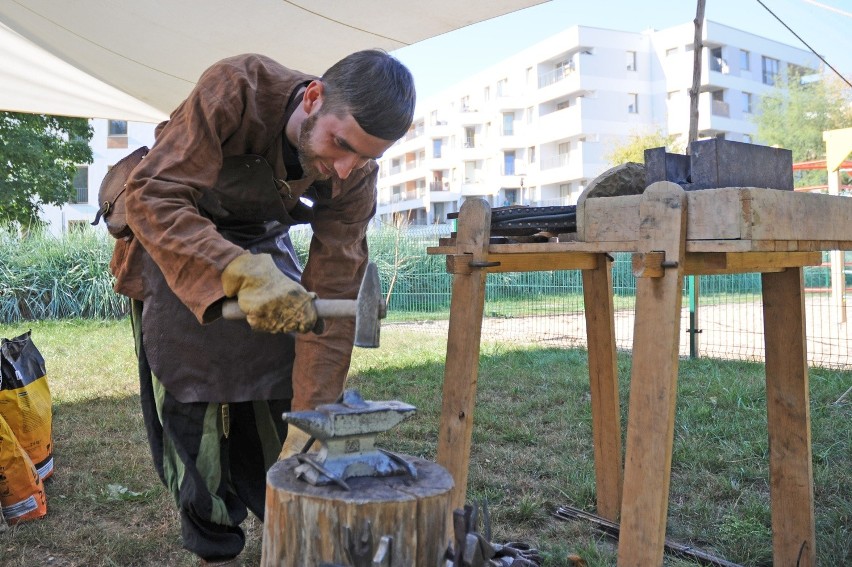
{"x":346,"y":432}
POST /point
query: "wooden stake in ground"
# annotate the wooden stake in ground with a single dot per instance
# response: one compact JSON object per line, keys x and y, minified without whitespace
{"x":696,"y":75}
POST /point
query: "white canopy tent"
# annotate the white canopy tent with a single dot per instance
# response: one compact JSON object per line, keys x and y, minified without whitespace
{"x":137,"y":60}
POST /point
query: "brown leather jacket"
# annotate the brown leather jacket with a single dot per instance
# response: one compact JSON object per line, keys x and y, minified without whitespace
{"x":238,"y":107}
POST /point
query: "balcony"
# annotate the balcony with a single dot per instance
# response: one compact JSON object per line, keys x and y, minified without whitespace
{"x":561,"y":124}
{"x":720,"y":108}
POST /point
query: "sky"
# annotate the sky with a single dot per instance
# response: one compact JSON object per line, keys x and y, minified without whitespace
{"x":438,"y":63}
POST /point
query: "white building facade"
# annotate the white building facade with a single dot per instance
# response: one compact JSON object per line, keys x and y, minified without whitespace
{"x":536,"y":128}
{"x":111,"y":141}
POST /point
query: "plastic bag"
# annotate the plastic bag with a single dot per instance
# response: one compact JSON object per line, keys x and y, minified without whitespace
{"x":25,"y":401}
{"x":22,"y":494}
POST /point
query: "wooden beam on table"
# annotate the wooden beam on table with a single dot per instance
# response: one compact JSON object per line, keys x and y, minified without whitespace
{"x":529,"y":262}
{"x":714,"y":263}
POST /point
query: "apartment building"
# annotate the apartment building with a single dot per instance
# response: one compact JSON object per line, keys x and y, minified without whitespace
{"x":536,"y":128}
{"x":111,"y":141}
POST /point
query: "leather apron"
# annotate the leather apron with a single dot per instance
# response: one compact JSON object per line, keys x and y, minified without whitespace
{"x":226,"y":361}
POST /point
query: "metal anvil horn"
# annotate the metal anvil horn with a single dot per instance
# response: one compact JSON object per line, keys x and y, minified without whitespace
{"x":346,"y":432}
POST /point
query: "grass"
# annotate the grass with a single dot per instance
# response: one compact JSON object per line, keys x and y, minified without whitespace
{"x":531,"y":452}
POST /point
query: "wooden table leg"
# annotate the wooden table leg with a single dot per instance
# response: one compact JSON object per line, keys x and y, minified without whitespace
{"x":603,"y":384}
{"x":653,"y":379}
{"x":788,"y":419}
{"x":461,"y":367}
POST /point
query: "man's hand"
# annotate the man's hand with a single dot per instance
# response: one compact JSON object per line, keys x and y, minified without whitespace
{"x":271,"y":301}
{"x":294,"y":443}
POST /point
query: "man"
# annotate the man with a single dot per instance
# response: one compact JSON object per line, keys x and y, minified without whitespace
{"x":254,"y":149}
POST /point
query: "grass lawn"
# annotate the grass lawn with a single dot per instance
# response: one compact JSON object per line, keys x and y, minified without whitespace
{"x":531,"y":452}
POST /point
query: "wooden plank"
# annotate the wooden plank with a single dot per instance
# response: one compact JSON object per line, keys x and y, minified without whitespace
{"x":788,"y":419}
{"x":534,"y":262}
{"x":609,"y":219}
{"x":717,"y":214}
{"x":653,"y":382}
{"x":730,"y":213}
{"x":603,"y":385}
{"x":713,"y":263}
{"x":463,"y":341}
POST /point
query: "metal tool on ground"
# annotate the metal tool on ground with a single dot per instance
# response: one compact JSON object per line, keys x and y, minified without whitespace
{"x":472,"y":548}
{"x":346,"y":432}
{"x":367,"y":309}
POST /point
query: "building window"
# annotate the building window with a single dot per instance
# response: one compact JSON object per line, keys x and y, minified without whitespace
{"x":509,"y":163}
{"x":117,"y":134}
{"x":531,"y":154}
{"x":633,"y":103}
{"x":486,"y":94}
{"x":529,"y":115}
{"x":81,"y":185}
{"x":747,"y":100}
{"x":744,"y":60}
{"x":631,"y":60}
{"x":436,"y":148}
{"x":508,"y":123}
{"x":469,"y":137}
{"x":770,"y":70}
{"x":503,"y":87}
{"x":564,"y":68}
{"x":465,"y":104}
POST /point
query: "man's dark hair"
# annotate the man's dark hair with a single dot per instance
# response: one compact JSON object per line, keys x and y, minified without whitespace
{"x":375,"y":88}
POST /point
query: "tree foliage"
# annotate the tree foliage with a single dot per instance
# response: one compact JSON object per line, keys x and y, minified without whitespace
{"x":39,"y":155}
{"x":634,"y":148}
{"x":795,"y":114}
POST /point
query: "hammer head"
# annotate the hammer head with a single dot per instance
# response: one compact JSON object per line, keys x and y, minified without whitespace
{"x":371,"y":308}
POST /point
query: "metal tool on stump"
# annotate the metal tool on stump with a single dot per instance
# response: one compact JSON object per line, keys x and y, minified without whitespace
{"x":367,"y":309}
{"x":346,"y":432}
{"x":391,"y":512}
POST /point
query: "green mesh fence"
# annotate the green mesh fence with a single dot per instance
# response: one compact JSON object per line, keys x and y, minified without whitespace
{"x":43,"y":277}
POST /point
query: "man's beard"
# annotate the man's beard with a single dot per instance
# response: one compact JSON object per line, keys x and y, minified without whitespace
{"x":307,"y":157}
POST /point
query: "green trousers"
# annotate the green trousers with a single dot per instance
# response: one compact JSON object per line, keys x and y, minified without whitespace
{"x":212,"y":457}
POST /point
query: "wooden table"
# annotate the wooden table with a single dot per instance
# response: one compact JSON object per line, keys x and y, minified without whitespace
{"x":671,"y":233}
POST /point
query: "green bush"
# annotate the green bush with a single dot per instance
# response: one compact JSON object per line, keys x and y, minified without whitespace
{"x":44,"y":277}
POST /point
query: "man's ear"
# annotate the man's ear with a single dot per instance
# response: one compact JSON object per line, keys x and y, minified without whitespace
{"x":313,"y":98}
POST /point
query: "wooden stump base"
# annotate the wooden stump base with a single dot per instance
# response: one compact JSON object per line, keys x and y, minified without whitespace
{"x":309,"y":525}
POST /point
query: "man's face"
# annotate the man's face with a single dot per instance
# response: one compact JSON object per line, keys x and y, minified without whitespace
{"x":331,"y":146}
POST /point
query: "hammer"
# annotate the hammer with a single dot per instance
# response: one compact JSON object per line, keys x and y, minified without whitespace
{"x":367,"y":309}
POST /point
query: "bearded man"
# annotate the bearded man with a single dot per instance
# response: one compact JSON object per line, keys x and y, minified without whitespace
{"x":255,"y":149}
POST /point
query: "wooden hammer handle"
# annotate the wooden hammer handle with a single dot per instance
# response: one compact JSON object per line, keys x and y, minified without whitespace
{"x":326,"y":309}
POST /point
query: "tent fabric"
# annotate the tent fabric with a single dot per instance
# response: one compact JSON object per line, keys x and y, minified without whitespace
{"x":838,"y":144}
{"x":154,"y":50}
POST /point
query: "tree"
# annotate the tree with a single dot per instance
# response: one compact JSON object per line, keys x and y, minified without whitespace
{"x":634,"y":148}
{"x":39,"y":155}
{"x":796,"y":113}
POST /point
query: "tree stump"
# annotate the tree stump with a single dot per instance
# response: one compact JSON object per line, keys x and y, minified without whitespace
{"x":309,"y":525}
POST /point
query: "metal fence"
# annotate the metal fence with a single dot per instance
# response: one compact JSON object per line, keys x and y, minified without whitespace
{"x":722,"y":316}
